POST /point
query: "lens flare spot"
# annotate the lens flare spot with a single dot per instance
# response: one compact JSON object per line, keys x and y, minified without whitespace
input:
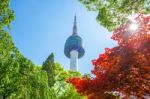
{"x":133,"y":27}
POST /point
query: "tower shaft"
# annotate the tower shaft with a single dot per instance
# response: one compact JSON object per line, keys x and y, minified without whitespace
{"x":74,"y":60}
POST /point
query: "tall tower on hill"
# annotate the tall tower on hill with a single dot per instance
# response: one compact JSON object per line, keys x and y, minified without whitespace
{"x":74,"y":48}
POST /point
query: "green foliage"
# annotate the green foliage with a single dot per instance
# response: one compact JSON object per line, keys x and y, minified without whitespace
{"x":6,"y":14}
{"x":57,"y":77}
{"x":62,"y":89}
{"x":34,"y":85}
{"x":49,"y":67}
{"x":113,"y":13}
{"x":20,"y":78}
{"x":9,"y":66}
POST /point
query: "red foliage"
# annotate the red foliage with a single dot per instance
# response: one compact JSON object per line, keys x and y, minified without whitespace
{"x":124,"y":69}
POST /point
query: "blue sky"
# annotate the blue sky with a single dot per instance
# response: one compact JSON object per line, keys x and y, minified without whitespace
{"x":42,"y":27}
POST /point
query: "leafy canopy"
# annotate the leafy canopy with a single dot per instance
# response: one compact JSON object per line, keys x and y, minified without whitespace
{"x":113,"y":13}
{"x":57,"y":77}
{"x":6,"y":14}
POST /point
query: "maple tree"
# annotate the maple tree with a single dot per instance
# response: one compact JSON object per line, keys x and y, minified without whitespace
{"x":122,"y":71}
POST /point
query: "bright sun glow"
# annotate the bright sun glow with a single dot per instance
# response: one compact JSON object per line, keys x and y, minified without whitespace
{"x":133,"y":27}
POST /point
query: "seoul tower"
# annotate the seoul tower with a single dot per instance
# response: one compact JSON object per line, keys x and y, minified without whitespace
{"x":74,"y":48}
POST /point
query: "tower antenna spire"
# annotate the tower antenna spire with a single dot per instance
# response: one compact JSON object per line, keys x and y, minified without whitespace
{"x":75,"y":25}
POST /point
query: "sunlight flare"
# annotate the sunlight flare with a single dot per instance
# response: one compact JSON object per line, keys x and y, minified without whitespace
{"x":133,"y":26}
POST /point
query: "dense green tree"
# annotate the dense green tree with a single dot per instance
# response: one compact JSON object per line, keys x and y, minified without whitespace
{"x":63,"y":90}
{"x":9,"y":66}
{"x":19,"y":78}
{"x":6,"y":14}
{"x":34,"y":85}
{"x":57,"y":77}
{"x":8,"y":53}
{"x":113,"y":13}
{"x":32,"y":82}
{"x":49,"y":67}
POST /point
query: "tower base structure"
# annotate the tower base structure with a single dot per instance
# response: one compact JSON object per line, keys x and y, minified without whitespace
{"x":74,"y":60}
